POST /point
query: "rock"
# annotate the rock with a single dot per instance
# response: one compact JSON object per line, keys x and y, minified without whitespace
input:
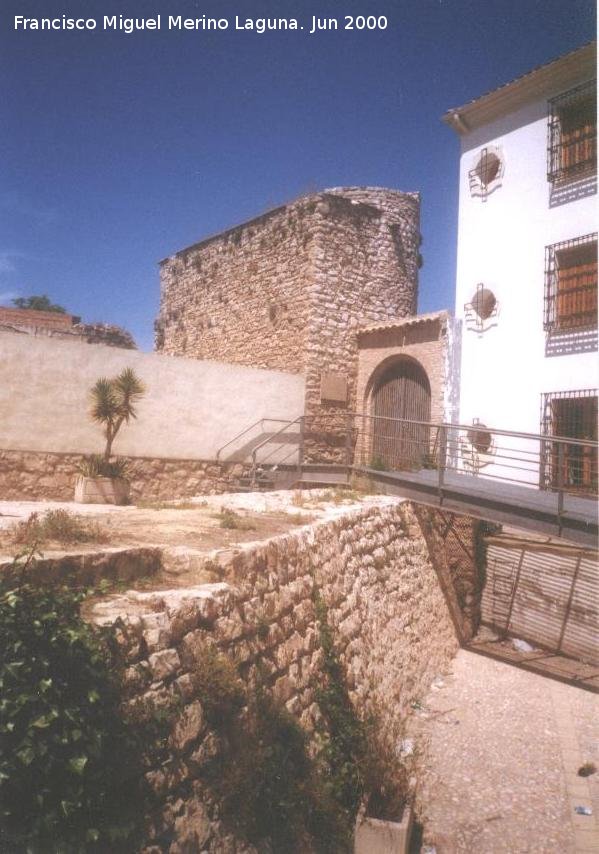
{"x":188,"y":727}
{"x":192,"y":830}
{"x":164,"y":663}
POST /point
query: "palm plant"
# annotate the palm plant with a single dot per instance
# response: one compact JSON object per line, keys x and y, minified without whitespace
{"x":113,"y":404}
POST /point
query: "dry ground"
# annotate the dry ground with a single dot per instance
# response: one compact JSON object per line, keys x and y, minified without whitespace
{"x":185,"y":530}
{"x":497,"y":752}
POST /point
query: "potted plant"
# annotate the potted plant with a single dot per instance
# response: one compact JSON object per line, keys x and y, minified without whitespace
{"x":113,"y":401}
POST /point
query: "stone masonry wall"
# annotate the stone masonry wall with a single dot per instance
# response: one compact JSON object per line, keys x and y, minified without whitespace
{"x":27,"y":475}
{"x":289,"y":289}
{"x":392,"y":630}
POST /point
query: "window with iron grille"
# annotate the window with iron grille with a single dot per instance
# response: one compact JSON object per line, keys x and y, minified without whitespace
{"x":570,"y":415}
{"x":572,"y":133}
{"x":571,"y":284}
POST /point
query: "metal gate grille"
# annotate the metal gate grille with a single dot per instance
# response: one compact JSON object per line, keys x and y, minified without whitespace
{"x":403,"y":392}
{"x":547,"y":598}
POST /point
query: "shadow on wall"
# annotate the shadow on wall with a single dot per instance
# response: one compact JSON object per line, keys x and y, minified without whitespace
{"x":568,"y":341}
{"x":572,"y":191}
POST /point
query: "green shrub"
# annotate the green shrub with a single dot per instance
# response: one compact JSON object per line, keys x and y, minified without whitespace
{"x":358,"y":769}
{"x":270,"y":788}
{"x":220,"y":688}
{"x":69,"y":764}
{"x":345,"y":744}
{"x":378,"y":464}
{"x":96,"y":466}
{"x":233,"y":521}
{"x":58,"y":525}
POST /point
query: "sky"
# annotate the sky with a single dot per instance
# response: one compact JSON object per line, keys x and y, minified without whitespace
{"x":119,"y":149}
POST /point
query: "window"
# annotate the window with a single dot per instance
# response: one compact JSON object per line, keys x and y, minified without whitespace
{"x":572,"y":415}
{"x":571,"y":284}
{"x":572,"y":140}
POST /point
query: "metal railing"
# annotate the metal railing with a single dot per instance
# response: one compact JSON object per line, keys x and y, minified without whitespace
{"x":506,"y":456}
{"x":275,"y":439}
{"x":436,"y":450}
{"x":259,"y":423}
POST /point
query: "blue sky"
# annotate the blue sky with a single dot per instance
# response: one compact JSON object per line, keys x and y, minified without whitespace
{"x":118,"y":149}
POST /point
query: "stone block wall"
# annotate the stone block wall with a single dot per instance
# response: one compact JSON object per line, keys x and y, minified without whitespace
{"x":289,"y":289}
{"x":28,"y":475}
{"x":392,"y":630}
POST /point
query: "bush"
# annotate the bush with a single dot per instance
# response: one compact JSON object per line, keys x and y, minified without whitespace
{"x":233,"y":521}
{"x":69,"y":764}
{"x":58,"y":525}
{"x":378,"y":464}
{"x":270,"y":788}
{"x":221,"y":691}
{"x":96,"y":466}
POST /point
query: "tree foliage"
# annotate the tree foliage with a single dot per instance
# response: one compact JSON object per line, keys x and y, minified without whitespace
{"x":69,"y":764}
{"x":114,"y":403}
{"x":38,"y":303}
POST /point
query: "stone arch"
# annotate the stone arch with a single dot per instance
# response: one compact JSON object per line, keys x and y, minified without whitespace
{"x":399,"y":388}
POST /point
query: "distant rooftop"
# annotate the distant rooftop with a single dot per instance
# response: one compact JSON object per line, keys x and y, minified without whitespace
{"x":543,"y":81}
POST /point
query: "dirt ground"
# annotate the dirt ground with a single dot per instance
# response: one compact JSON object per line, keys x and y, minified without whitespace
{"x":191,"y":528}
{"x":497,"y":752}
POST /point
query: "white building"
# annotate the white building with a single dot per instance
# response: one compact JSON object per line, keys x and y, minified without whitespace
{"x":526,"y":290}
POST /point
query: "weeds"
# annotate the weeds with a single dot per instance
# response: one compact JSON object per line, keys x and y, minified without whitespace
{"x":59,"y":526}
{"x":378,"y":464}
{"x":273,"y":789}
{"x":220,"y":688}
{"x":157,"y":504}
{"x":232,"y":521}
{"x":358,"y":771}
{"x":300,"y":518}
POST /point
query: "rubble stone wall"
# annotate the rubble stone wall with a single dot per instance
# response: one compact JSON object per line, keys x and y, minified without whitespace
{"x":26,"y":475}
{"x":288,"y":290}
{"x":391,"y":626}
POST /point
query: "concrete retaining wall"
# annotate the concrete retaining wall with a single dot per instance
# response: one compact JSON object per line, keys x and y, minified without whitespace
{"x":191,"y":407}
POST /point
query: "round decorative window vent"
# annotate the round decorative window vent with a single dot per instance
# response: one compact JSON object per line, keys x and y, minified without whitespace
{"x":484,"y":302}
{"x":486,"y":172}
{"x":488,"y":167}
{"x":480,"y":437}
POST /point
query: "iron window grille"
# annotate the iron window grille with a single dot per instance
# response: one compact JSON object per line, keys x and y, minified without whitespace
{"x":572,"y":133}
{"x":571,"y":415}
{"x":571,"y":284}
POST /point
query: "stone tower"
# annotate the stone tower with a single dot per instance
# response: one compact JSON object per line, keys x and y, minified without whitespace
{"x":289,"y":289}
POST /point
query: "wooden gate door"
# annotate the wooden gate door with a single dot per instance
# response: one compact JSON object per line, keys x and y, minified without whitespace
{"x":402,"y":392}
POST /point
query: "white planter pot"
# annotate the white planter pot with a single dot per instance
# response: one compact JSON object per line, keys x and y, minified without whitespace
{"x":374,"y":836}
{"x":101,"y":490}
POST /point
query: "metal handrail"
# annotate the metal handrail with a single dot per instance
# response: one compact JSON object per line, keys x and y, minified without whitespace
{"x":274,"y":436}
{"x":247,"y":430}
{"x":483,"y":429}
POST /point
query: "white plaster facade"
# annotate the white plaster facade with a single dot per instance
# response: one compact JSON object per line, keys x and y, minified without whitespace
{"x":512,"y":361}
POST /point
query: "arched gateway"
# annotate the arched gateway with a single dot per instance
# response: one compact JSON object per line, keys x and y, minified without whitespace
{"x":402,"y":391}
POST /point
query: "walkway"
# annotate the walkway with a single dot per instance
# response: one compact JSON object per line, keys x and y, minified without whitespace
{"x":498,"y":750}
{"x":511,"y":504}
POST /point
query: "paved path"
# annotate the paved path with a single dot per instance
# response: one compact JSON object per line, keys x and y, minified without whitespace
{"x":498,"y":750}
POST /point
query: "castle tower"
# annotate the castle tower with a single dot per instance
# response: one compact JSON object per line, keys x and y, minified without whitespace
{"x":289,"y":289}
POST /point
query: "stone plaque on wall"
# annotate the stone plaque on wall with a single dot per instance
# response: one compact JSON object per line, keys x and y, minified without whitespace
{"x":333,"y":388}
